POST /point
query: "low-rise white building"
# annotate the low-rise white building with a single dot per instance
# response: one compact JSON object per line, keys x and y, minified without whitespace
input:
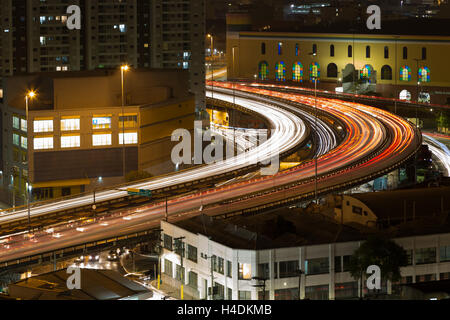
{"x":229,"y":256}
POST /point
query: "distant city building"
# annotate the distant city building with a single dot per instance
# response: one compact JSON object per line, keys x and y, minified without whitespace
{"x":142,"y":33}
{"x":75,"y":135}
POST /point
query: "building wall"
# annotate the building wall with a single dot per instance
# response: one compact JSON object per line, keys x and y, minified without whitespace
{"x":248,"y":54}
{"x":326,"y":283}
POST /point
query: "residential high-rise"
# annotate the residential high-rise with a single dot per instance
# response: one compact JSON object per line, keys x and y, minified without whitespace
{"x":142,"y":33}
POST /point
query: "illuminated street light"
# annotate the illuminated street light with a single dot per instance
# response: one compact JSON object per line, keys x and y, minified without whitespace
{"x":30,"y":95}
{"x":123,"y":69}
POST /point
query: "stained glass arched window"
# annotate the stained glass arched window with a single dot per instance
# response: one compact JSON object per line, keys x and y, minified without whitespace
{"x":263,"y":68}
{"x":314,"y":71}
{"x":424,"y":74}
{"x":405,"y":73}
{"x":297,"y":72}
{"x":366,"y":72}
{"x":280,"y":71}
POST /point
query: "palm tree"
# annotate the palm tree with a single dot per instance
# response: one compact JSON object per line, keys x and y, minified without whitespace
{"x":382,"y":252}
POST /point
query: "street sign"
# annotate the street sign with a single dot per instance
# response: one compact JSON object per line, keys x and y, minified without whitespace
{"x":140,"y":192}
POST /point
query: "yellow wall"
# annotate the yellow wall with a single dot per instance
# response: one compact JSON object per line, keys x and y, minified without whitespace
{"x":247,"y":54}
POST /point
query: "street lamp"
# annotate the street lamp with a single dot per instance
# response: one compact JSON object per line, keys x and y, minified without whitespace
{"x":123,"y":69}
{"x":30,"y":95}
{"x":212,"y":43}
{"x":313,"y":54}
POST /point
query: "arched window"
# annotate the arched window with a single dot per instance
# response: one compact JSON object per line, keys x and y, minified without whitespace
{"x":405,"y":95}
{"x":263,"y":68}
{"x":280,"y":71}
{"x":263,"y":48}
{"x":405,"y":53}
{"x":332,"y":50}
{"x":332,"y":70}
{"x":350,"y":51}
{"x":368,"y":52}
{"x":314,"y":48}
{"x":424,"y":74}
{"x":386,"y":72}
{"x":386,"y":52}
{"x":405,"y":73}
{"x":424,"y":53}
{"x":366,"y":72}
{"x":314,"y":71}
{"x":297,"y":72}
{"x":280,"y":48}
{"x":297,"y":50}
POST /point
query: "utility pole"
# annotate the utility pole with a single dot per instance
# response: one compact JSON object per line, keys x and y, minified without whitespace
{"x":179,"y":246}
{"x":299,"y":272}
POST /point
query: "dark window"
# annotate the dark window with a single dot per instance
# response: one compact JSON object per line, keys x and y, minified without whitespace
{"x":357,"y":210}
{"x":288,"y":269}
{"x":425,"y":255}
{"x":314,"y":48}
{"x":368,"y":52}
{"x":337,"y":264}
{"x":193,"y":279}
{"x":229,"y":269}
{"x":332,"y":51}
{"x":280,"y":48}
{"x":386,"y":73}
{"x":263,"y":270}
{"x":386,"y":52}
{"x":317,"y":292}
{"x":350,"y":51}
{"x":297,"y":51}
{"x":65,"y":192}
{"x":316,"y":266}
{"x":168,"y":267}
{"x":167,"y":242}
{"x":405,"y":53}
{"x":332,"y":70}
{"x":263,"y":48}
{"x":192,"y":253}
{"x":424,"y":53}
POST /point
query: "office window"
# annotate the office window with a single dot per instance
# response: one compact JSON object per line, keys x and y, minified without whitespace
{"x":230,"y":294}
{"x":130,"y":138}
{"x":444,"y":253}
{"x":425,"y":255}
{"x":245,"y":295}
{"x":346,"y":290}
{"x":16,"y":123}
{"x":43,"y":126}
{"x":317,"y":292}
{"x":23,"y":125}
{"x":168,"y":268}
{"x":167,"y":242}
{"x":101,"y":139}
{"x":229,"y":269}
{"x":101,"y":123}
{"x":220,"y":265}
{"x":288,"y":269}
{"x":70,"y":141}
{"x":130,"y":121}
{"x":43,"y":143}
{"x":316,"y":266}
{"x":16,"y":139}
{"x":192,"y":253}
{"x":70,"y":124}
{"x":263,"y":270}
{"x":346,"y":263}
{"x":24,"y":142}
{"x":286,"y":294}
{"x":338,"y":264}
{"x":245,"y":271}
{"x":193,"y":279}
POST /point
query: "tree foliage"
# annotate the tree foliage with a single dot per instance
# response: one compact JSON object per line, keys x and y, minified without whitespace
{"x":385,"y":253}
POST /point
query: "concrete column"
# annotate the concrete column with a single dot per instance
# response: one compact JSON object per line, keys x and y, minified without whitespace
{"x":271,"y":283}
{"x":414,"y":260}
{"x":331,"y":252}
{"x":235,"y":273}
{"x":302,"y":256}
{"x":438,"y":257}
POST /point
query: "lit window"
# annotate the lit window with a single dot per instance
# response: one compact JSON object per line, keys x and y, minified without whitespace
{"x":16,"y":139}
{"x":101,"y":123}
{"x":123,"y":28}
{"x":130,"y":138}
{"x":424,"y":74}
{"x":314,"y":71}
{"x":43,"y":40}
{"x":263,"y":70}
{"x":23,"y":125}
{"x":43,"y":126}
{"x":405,"y":73}
{"x":245,"y":271}
{"x":16,"y":123}
{"x":297,"y":72}
{"x":280,"y":71}
{"x":24,"y":142}
{"x":43,"y":143}
{"x":130,"y":121}
{"x":101,"y":139}
{"x":70,"y":124}
{"x":70,"y":141}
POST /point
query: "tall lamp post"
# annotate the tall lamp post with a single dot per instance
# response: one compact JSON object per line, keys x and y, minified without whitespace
{"x":123,"y":69}
{"x":30,"y":95}
{"x":314,"y":76}
{"x":418,"y":84}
